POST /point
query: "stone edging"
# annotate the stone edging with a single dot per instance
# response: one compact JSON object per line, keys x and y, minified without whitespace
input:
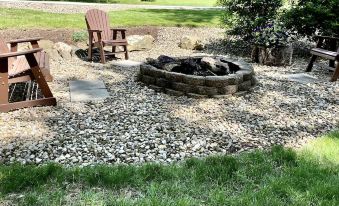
{"x":199,"y":86}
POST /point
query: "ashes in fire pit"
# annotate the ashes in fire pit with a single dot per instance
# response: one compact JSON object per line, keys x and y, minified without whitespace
{"x":204,"y":76}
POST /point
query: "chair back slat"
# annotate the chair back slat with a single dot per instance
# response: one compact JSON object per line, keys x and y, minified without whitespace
{"x":4,"y":49}
{"x":98,"y":20}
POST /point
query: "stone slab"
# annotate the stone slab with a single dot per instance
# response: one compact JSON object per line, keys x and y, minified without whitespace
{"x":126,"y":63}
{"x":302,"y":78}
{"x":86,"y":85}
{"x":85,"y":91}
{"x":89,"y":95}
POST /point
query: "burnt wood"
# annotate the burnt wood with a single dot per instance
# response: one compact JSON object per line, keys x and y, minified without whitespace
{"x":23,"y":66}
{"x":332,"y":54}
{"x":101,"y":35}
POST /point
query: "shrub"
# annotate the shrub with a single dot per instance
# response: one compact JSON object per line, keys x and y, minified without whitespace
{"x":272,"y":35}
{"x":243,"y":16}
{"x":309,"y":17}
{"x":80,"y":36}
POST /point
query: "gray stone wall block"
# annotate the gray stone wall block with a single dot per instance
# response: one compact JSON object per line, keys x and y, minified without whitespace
{"x":146,"y":69}
{"x":216,"y":81}
{"x":162,"y":82}
{"x":194,"y":80}
{"x":254,"y":81}
{"x":234,"y":79}
{"x":148,"y":79}
{"x":181,"y":87}
{"x":211,"y":91}
{"x":174,"y":77}
{"x":230,"y":89}
{"x":196,"y":96}
{"x":246,"y":74}
{"x":246,"y":85}
{"x":173,"y":92}
{"x":156,"y":88}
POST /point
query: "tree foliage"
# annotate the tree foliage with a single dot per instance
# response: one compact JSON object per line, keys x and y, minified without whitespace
{"x":309,"y":17}
{"x":242,"y":17}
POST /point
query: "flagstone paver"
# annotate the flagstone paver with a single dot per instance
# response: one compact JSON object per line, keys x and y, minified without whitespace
{"x":86,"y":90}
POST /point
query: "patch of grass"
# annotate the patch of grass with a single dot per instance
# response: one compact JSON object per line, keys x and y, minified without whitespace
{"x":154,"y":2}
{"x":23,"y":18}
{"x":276,"y":177}
{"x":324,"y":149}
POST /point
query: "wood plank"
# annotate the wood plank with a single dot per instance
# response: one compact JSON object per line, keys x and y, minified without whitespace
{"x":324,"y":53}
{"x":19,"y":105}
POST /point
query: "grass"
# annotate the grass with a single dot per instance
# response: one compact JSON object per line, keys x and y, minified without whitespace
{"x":276,"y":177}
{"x":156,"y":2}
{"x":22,"y":18}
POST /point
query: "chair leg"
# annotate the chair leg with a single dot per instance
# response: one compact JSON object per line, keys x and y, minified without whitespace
{"x":38,"y":76}
{"x":102,"y":54}
{"x":90,"y":52}
{"x":310,"y":65}
{"x":336,"y":73}
{"x":126,"y":53}
{"x":4,"y":81}
{"x":114,"y":48}
{"x":331,"y":63}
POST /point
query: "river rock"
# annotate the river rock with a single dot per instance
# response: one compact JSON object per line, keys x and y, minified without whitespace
{"x":191,"y":43}
{"x":139,"y":43}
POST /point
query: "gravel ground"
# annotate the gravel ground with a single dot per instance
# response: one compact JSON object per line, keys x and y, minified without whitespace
{"x":137,"y":125}
{"x":78,"y":7}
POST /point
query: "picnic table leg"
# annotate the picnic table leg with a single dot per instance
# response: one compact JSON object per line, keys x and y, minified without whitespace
{"x":4,"y":81}
{"x":336,"y":73}
{"x":115,"y":36}
{"x":333,"y":45}
{"x":310,"y":65}
{"x":38,"y":76}
{"x":90,"y":47}
{"x":123,"y":36}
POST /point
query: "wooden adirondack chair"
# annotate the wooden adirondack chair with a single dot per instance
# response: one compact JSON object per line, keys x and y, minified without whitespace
{"x":24,"y":66}
{"x":101,"y":35}
{"x":332,"y":54}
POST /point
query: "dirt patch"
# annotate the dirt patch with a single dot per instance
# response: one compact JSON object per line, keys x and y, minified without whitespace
{"x":65,"y":35}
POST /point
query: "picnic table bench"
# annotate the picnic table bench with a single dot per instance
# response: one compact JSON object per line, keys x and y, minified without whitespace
{"x":332,"y":54}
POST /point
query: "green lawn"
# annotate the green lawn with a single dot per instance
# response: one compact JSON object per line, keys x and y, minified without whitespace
{"x":276,"y":177}
{"x":22,"y":18}
{"x":156,"y":2}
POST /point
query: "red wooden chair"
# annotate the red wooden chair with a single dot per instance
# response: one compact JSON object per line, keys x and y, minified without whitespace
{"x":332,"y":54}
{"x":101,"y":35}
{"x":24,"y":66}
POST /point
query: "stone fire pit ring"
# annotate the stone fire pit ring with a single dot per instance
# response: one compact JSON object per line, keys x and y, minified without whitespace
{"x":178,"y":84}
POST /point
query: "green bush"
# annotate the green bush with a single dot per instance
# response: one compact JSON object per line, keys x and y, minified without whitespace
{"x":247,"y":15}
{"x":80,"y":36}
{"x":309,"y":17}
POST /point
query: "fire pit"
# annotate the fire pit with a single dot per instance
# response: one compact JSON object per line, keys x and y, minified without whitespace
{"x":203,"y":76}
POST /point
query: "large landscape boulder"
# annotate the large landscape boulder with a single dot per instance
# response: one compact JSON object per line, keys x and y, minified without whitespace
{"x":64,"y":50}
{"x":139,"y":43}
{"x":191,"y":43}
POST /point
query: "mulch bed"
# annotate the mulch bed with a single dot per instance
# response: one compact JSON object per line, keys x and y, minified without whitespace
{"x":65,"y":35}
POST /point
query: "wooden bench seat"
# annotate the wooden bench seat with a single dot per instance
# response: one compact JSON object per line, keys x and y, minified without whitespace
{"x":332,"y":54}
{"x":21,"y":65}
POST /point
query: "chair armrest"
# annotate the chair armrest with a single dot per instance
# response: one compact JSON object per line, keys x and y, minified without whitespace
{"x":327,"y":37}
{"x":113,"y":29}
{"x":24,"y":40}
{"x":94,"y":30}
{"x":14,"y":54}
